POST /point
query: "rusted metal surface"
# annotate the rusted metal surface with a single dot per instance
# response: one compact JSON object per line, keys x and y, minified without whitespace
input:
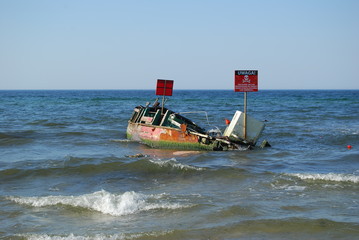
{"x":166,"y":137}
{"x":142,"y":132}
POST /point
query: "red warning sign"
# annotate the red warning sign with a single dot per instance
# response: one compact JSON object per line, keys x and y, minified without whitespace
{"x":245,"y":80}
{"x":164,"y":87}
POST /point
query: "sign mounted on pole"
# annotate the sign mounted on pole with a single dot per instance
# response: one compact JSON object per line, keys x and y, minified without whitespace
{"x":164,"y":87}
{"x":246,"y":80}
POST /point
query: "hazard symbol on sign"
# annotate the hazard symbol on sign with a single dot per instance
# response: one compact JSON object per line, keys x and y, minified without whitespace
{"x":246,"y":81}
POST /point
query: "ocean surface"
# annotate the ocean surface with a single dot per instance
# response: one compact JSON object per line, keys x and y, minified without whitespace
{"x":68,"y":172}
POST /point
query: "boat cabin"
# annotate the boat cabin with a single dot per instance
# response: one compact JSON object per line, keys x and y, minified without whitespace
{"x":158,"y":116}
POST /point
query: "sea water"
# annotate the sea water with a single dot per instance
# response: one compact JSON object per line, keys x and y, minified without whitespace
{"x":67,"y":170}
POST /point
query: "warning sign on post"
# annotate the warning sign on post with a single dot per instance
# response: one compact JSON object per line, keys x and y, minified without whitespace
{"x":246,"y":80}
{"x":164,"y":87}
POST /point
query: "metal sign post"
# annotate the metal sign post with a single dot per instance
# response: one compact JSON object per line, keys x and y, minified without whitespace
{"x":245,"y":116}
{"x":245,"y":81}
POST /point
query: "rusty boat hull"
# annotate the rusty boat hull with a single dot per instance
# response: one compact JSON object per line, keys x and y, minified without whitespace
{"x":169,"y":138}
{"x":159,"y":127}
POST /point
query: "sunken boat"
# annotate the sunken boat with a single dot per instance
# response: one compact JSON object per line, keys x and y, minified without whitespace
{"x":159,"y":127}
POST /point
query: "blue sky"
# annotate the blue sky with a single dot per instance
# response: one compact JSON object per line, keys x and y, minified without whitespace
{"x":108,"y":44}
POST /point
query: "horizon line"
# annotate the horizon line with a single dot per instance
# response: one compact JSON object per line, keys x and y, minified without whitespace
{"x":134,"y":89}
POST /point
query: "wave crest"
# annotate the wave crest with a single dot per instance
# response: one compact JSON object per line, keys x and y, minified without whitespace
{"x":104,"y":202}
{"x":120,"y":236}
{"x":172,"y":163}
{"x":334,"y":177}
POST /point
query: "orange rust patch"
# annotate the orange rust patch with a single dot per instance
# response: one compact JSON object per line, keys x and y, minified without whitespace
{"x":177,"y":136}
{"x":183,"y":127}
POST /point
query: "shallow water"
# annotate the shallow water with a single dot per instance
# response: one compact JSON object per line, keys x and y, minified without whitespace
{"x":67,"y":171}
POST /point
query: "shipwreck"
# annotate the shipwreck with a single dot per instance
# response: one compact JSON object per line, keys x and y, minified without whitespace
{"x":159,"y":127}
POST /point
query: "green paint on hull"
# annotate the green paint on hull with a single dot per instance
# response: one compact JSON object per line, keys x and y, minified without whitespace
{"x":129,"y":136}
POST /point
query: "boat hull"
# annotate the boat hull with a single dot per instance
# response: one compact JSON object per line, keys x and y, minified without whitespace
{"x":167,"y":137}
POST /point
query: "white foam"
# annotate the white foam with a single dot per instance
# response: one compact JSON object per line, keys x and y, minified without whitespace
{"x":349,"y":131}
{"x":335,"y":177}
{"x":287,"y":187}
{"x":94,"y":237}
{"x":174,"y":164}
{"x":73,"y":237}
{"x":121,"y":140}
{"x":104,"y":202}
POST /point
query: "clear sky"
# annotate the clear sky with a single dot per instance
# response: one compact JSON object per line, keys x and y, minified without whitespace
{"x":128,"y":44}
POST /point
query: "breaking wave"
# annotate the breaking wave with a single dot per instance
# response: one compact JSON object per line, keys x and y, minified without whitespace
{"x":173,"y":163}
{"x":104,"y":202}
{"x":290,"y":228}
{"x":121,"y":236}
{"x":334,"y":177}
{"x":73,"y":237}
